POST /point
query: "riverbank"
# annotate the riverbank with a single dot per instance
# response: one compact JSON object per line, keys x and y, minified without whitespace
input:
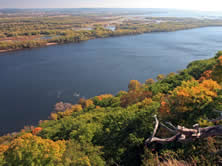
{"x":11,"y":50}
{"x":63,"y":40}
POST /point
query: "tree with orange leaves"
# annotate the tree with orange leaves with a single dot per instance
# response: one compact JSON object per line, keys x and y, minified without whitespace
{"x":206,"y":75}
{"x":149,"y":81}
{"x":192,"y":95}
{"x":134,"y":84}
{"x":134,"y":96}
{"x":103,"y":100}
{"x":86,"y":103}
{"x":36,"y":130}
{"x":164,"y":109}
{"x":3,"y":149}
{"x":104,"y":96}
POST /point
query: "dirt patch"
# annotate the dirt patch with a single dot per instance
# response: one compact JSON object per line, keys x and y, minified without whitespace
{"x":51,"y":44}
{"x":1,"y":51}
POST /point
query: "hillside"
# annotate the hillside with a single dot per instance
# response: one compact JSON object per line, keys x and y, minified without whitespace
{"x":111,"y":130}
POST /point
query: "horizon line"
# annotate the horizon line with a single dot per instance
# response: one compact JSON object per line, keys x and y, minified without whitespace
{"x":181,"y":9}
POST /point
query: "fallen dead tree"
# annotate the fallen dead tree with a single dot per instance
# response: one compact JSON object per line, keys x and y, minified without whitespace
{"x":183,"y":134}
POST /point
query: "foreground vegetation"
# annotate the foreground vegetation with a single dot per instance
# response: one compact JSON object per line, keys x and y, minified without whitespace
{"x":26,"y":31}
{"x":111,"y":130}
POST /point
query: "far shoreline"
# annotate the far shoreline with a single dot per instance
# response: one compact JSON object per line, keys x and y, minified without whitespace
{"x":12,"y":50}
{"x":54,"y":43}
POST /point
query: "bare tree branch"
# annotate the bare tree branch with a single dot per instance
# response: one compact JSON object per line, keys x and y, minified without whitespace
{"x":155,"y":129}
{"x":169,"y":129}
{"x":170,"y":124}
{"x":156,"y":126}
{"x":184,"y":134}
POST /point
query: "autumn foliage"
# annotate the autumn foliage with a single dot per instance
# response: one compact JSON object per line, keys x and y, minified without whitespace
{"x":36,"y":130}
{"x":133,"y":85}
{"x":32,"y":150}
{"x":160,"y":77}
{"x":206,"y":75}
{"x":146,"y":102}
{"x":192,"y":95}
{"x":67,"y":112}
{"x":164,"y":109}
{"x":103,"y":100}
{"x":3,"y":149}
{"x":105,"y":96}
{"x":134,"y":96}
{"x":110,"y":129}
{"x":86,"y":103}
{"x":149,"y":81}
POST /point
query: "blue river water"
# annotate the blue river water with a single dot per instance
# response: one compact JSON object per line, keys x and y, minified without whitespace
{"x":33,"y":80}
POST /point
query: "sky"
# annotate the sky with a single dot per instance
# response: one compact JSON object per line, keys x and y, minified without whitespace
{"x":202,"y":5}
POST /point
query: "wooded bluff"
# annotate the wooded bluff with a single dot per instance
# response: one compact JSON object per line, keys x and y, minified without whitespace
{"x":112,"y":129}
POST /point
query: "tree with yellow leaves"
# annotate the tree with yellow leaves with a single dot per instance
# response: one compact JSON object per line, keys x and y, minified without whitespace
{"x":134,"y":84}
{"x":192,"y":95}
{"x":160,"y":77}
{"x":86,"y":103}
{"x":149,"y":81}
{"x":33,"y":150}
{"x":3,"y":149}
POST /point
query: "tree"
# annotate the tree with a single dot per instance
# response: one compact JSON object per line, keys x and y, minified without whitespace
{"x":86,"y":154}
{"x":36,"y":130}
{"x":219,"y":53}
{"x":183,"y":134}
{"x":3,"y":149}
{"x":149,"y":81}
{"x":103,"y":100}
{"x":192,"y":95}
{"x":133,"y":85}
{"x":60,"y":107}
{"x":206,"y":75}
{"x":134,"y":96}
{"x":217,"y":71}
{"x":69,"y":111}
{"x":160,"y":77}
{"x":33,"y":150}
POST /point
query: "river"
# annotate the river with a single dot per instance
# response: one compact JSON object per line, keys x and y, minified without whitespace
{"x":33,"y":80}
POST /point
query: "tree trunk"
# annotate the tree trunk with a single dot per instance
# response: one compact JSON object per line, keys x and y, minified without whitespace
{"x":184,"y":134}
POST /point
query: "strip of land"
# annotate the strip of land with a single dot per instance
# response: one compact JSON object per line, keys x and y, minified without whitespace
{"x":30,"y":31}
